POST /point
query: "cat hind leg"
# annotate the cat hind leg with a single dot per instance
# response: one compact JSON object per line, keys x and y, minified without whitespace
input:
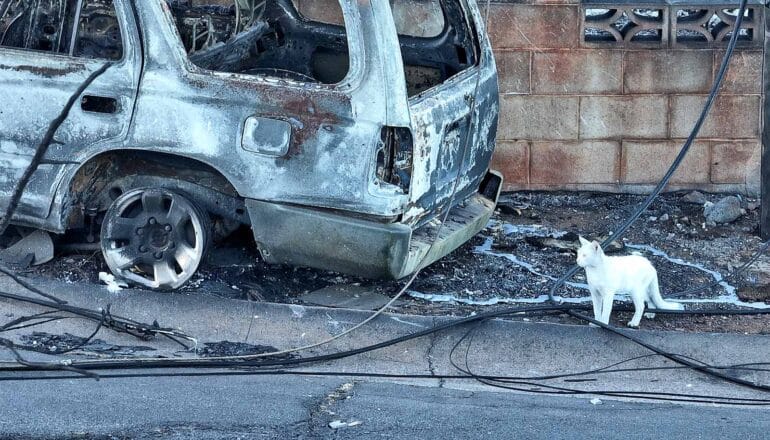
{"x":638,"y":299}
{"x":650,"y":305}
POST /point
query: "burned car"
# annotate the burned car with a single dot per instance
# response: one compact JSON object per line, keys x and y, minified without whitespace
{"x":340,"y":131}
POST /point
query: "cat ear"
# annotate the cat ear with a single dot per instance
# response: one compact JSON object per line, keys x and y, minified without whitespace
{"x":583,"y":241}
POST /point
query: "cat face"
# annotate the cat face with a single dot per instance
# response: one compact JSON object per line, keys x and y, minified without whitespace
{"x":589,"y":254}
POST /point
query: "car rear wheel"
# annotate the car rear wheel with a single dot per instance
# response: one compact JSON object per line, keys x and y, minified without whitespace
{"x":154,"y":237}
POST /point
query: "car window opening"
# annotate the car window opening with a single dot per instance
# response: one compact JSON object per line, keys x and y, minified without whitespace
{"x":275,"y":38}
{"x":437,"y":41}
{"x":50,"y":26}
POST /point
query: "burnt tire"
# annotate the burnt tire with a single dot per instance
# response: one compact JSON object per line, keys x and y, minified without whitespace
{"x":155,"y":237}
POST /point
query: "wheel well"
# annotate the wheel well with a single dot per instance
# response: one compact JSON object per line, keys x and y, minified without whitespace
{"x":105,"y":177}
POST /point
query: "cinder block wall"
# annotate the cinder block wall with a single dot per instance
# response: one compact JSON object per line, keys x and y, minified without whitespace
{"x":611,"y":116}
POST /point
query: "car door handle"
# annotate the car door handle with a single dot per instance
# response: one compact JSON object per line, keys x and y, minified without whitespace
{"x":99,"y":104}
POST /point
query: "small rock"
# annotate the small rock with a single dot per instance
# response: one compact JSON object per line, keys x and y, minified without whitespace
{"x":752,"y":206}
{"x":596,"y":401}
{"x":113,"y":285}
{"x":695,"y":197}
{"x":726,"y":210}
{"x":664,"y":218}
{"x":337,"y":424}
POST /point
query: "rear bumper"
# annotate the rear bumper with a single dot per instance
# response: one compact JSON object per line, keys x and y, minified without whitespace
{"x":308,"y":237}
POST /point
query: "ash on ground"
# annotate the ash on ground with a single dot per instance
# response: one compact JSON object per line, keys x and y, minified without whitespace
{"x":227,"y":348}
{"x":43,"y":342}
{"x":528,"y":243}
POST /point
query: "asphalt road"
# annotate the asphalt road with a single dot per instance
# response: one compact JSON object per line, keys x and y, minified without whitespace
{"x":303,"y":407}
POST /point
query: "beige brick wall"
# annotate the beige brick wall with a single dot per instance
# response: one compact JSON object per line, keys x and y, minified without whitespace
{"x":613,"y":118}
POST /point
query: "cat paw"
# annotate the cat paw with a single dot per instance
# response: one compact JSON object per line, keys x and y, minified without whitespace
{"x":649,"y":315}
{"x":633,"y":324}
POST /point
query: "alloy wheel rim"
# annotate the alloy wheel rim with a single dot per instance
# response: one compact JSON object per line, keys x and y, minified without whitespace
{"x":154,"y":238}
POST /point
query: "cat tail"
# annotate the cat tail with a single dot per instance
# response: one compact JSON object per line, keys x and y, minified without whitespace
{"x":660,"y":303}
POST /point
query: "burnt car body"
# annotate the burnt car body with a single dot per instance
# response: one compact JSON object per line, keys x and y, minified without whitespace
{"x":340,"y":143}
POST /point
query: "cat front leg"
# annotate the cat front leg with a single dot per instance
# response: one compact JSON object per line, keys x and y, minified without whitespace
{"x":596,"y":300}
{"x":607,"y":298}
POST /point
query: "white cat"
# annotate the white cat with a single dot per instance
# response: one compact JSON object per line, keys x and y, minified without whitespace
{"x":631,"y":274}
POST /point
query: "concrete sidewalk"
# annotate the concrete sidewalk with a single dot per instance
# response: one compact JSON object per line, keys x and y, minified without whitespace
{"x":499,"y":347}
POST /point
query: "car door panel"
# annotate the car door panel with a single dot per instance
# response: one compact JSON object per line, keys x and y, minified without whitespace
{"x":34,"y":88}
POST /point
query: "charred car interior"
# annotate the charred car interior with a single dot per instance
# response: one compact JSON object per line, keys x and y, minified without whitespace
{"x":280,"y":38}
{"x":270,"y":38}
{"x":266,"y":38}
{"x":71,"y":27}
{"x":338,"y":131}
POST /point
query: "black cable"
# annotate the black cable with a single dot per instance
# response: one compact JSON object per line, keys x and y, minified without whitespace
{"x":203,"y":363}
{"x":646,"y":395}
{"x":35,"y":324}
{"x":635,"y":394}
{"x":39,"y":318}
{"x":292,"y":372}
{"x":109,"y":364}
{"x":687,"y":362}
{"x":486,"y":379}
{"x":606,"y":369}
{"x":8,"y":325}
{"x":10,"y":344}
{"x":84,"y":366}
{"x":551,"y":389}
{"x":44,"y":366}
{"x":117,"y":323}
{"x":20,"y":281}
